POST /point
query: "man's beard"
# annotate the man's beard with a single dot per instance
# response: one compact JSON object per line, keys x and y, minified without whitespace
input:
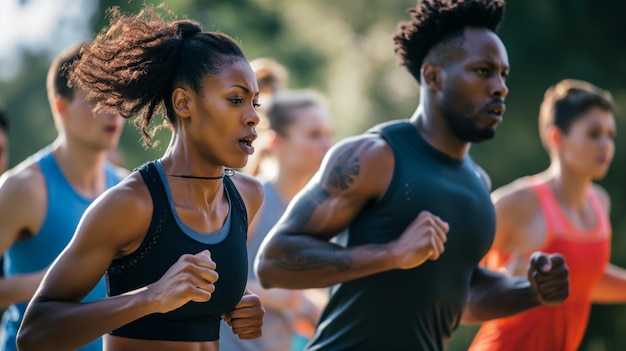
{"x":465,"y":128}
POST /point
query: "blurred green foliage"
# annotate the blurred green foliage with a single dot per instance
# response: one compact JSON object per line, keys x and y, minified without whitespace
{"x":344,"y":49}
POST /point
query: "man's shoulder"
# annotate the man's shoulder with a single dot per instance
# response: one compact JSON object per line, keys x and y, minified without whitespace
{"x":359,"y":151}
{"x":378,"y":128}
{"x":26,"y":176}
{"x":23,"y":197}
{"x":369,"y":141}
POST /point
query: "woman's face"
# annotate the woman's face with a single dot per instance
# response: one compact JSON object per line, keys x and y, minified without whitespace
{"x":588,"y":147}
{"x":224,"y":118}
{"x":305,"y":140}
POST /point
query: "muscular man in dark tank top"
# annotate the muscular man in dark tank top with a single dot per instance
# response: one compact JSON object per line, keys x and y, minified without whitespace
{"x":385,"y":205}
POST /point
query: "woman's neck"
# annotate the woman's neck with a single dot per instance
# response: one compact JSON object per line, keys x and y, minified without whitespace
{"x":568,"y":187}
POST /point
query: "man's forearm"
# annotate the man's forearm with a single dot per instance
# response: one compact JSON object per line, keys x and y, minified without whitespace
{"x":493,"y":295}
{"x":302,"y":262}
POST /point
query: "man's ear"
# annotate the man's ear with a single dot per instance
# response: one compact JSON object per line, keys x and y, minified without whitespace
{"x":432,"y":76}
{"x":181,"y":101}
{"x":61,"y":105}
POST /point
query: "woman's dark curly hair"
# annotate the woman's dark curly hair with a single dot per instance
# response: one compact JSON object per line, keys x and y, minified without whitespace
{"x":134,"y":65}
{"x":434,"y":21}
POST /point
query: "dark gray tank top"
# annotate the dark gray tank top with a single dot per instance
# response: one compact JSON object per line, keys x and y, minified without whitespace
{"x":414,"y":309}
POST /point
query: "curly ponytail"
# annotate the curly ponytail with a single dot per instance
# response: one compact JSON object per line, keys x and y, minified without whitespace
{"x":133,"y":65}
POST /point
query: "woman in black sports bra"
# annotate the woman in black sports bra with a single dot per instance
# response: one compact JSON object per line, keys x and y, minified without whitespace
{"x":171,"y":237}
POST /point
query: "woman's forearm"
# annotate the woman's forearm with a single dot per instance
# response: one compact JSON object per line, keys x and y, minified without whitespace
{"x":58,"y":325}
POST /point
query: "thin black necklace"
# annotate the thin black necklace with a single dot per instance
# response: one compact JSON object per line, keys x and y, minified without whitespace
{"x":227,"y":172}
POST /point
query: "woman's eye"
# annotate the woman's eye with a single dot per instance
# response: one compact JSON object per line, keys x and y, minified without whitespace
{"x":594,"y":135}
{"x":256,"y":105}
{"x":236,"y":101}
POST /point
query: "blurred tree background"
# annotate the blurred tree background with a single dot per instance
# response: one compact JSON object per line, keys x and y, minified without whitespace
{"x":344,"y":50}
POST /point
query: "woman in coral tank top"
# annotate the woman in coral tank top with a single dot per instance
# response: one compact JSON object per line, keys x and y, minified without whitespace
{"x":560,"y":210}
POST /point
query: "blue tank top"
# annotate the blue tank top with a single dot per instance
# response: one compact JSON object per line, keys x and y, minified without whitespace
{"x":412,"y":309}
{"x":167,"y":239}
{"x":65,"y":209}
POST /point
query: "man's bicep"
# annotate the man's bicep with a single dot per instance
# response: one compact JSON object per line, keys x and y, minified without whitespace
{"x":22,"y":209}
{"x":319,"y":212}
{"x":333,"y":197}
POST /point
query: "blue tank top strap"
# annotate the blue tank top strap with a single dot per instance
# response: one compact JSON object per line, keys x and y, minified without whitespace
{"x":53,"y":174}
{"x":214,"y":237}
{"x":236,"y":198}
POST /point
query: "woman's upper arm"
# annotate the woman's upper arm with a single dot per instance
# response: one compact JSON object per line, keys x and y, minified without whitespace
{"x":112,"y":226}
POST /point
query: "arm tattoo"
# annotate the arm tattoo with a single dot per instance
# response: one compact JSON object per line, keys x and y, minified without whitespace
{"x":315,"y":255}
{"x":304,"y":207}
{"x":341,"y":174}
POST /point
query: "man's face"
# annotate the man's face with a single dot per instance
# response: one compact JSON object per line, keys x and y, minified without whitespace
{"x":94,"y":130}
{"x":472,"y":101}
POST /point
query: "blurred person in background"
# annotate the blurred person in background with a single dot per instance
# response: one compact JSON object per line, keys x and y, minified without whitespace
{"x":43,"y":198}
{"x":271,"y":77}
{"x":299,"y":134}
{"x":560,"y":210}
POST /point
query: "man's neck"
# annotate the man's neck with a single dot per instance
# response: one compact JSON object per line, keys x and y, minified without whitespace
{"x":82,"y":167}
{"x":434,"y":130}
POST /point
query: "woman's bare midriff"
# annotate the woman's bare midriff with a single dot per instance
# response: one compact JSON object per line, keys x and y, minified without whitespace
{"x":116,"y":343}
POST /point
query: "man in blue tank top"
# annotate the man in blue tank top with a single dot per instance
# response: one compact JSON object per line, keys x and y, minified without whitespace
{"x":375,"y":221}
{"x":43,"y":198}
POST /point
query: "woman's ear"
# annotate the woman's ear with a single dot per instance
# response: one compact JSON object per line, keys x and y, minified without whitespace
{"x":181,"y":102}
{"x":554,"y":136}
